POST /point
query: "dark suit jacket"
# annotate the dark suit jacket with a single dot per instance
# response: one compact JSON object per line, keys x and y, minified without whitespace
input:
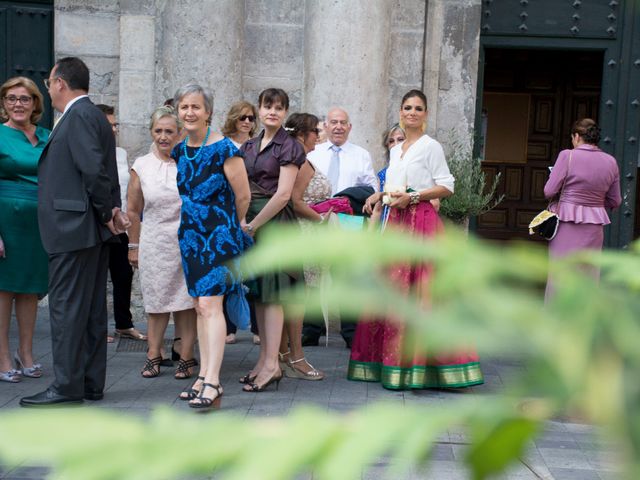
{"x":77,"y":180}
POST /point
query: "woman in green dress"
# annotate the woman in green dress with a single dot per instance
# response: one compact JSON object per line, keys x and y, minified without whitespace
{"x":23,"y":261}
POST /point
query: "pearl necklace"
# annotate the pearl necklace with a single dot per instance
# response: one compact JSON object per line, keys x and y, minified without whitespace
{"x":197,"y":154}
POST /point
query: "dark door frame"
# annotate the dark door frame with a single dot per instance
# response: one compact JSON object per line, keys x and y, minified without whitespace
{"x":616,"y":119}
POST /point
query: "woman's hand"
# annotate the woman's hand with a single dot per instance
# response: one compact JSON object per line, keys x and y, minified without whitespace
{"x":133,"y":257}
{"x":371,"y":202}
{"x":3,"y":254}
{"x":399,"y":200}
{"x":247,"y":228}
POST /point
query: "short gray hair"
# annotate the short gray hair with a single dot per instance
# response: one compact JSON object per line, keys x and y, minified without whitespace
{"x":195,"y":88}
{"x":164,"y":111}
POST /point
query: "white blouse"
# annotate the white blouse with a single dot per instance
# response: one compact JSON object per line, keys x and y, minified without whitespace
{"x":423,"y":166}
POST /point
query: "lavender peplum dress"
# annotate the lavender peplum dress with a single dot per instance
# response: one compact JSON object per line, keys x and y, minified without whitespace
{"x":592,"y":185}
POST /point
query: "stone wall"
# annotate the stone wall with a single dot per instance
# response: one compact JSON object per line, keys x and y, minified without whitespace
{"x":359,"y":54}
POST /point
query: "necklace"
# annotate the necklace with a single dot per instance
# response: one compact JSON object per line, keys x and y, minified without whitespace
{"x":199,"y":151}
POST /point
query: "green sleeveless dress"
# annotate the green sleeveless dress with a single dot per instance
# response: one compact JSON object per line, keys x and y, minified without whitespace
{"x":25,"y":266}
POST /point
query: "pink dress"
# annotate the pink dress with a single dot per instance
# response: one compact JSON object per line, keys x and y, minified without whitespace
{"x":161,"y":277}
{"x":592,"y":185}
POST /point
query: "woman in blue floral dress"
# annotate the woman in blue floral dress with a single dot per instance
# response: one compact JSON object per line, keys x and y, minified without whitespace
{"x":214,"y":189}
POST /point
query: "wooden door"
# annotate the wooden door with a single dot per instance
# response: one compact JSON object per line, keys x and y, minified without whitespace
{"x":26,"y":44}
{"x":530,"y":100}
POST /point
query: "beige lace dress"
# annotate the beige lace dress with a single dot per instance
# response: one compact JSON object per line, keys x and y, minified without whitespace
{"x":161,"y":275}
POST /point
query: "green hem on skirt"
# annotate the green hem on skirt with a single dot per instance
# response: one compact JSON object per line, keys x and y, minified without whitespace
{"x":417,"y":377}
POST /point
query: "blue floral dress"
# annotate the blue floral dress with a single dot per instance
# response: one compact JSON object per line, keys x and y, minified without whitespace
{"x":210,"y":236}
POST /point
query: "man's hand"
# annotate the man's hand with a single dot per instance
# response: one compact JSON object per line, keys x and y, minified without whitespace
{"x":119,"y":222}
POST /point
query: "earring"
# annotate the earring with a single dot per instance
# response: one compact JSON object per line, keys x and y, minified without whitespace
{"x":401,"y":124}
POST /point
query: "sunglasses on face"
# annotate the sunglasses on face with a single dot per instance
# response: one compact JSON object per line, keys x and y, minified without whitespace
{"x":315,"y":130}
{"x":251,"y":118}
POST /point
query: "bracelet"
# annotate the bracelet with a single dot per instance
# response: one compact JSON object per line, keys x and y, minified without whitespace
{"x":249,"y":228}
{"x":133,"y":246}
{"x":414,"y":198}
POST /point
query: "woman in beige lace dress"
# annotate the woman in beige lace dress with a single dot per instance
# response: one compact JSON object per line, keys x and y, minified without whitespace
{"x":153,"y":192}
{"x":310,"y":187}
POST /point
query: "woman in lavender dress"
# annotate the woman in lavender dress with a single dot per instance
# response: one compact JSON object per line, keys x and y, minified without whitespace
{"x":588,"y":182}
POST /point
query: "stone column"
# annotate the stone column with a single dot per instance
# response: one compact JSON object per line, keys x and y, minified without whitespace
{"x":347,"y":64}
{"x":451,"y":65}
{"x":89,"y":30}
{"x":201,"y":41}
{"x":137,"y":75}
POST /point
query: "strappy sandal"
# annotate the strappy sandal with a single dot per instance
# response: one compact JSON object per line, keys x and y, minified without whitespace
{"x":190,"y":393}
{"x":204,"y":404}
{"x":132,"y":333}
{"x":283,"y":360}
{"x":34,"y":371}
{"x":292,"y":372}
{"x":183,"y":371}
{"x":254,"y":387}
{"x":11,"y":376}
{"x":247,"y":379}
{"x":152,"y":367}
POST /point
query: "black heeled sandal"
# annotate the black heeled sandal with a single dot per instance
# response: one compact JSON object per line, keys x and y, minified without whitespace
{"x":247,"y":379}
{"x":190,"y":393}
{"x":151,"y":366}
{"x":175,"y":356}
{"x":254,"y":387}
{"x":182,"y":372}
{"x":204,"y":404}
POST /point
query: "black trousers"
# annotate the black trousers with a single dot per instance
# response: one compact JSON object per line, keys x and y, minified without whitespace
{"x":78,"y":314}
{"x":313,"y":327}
{"x":121,"y":277}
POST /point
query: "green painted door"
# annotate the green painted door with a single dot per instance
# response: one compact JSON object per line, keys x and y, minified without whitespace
{"x":612,"y":29}
{"x":26,"y":44}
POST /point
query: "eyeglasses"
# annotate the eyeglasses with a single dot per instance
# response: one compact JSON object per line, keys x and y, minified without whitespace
{"x":47,"y":82}
{"x":23,"y":99}
{"x":251,"y":118}
{"x":315,"y":130}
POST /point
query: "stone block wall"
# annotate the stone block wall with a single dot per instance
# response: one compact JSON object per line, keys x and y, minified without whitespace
{"x":359,"y":54}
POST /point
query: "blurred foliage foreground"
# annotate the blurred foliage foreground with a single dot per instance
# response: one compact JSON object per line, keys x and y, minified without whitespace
{"x":580,"y":354}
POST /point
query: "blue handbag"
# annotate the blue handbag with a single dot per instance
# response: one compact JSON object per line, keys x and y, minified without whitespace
{"x":237,"y":308}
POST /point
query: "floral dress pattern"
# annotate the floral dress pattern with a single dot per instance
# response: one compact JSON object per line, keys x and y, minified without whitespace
{"x":210,"y":236}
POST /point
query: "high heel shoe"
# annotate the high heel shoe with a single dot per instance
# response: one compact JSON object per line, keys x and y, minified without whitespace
{"x":34,"y":371}
{"x":175,"y":356}
{"x":247,"y":379}
{"x":254,"y":387}
{"x":190,"y":393}
{"x":204,"y":404}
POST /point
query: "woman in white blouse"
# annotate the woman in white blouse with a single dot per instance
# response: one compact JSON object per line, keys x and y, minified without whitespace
{"x":417,"y":176}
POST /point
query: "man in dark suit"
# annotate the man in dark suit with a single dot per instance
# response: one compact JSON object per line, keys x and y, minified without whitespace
{"x":78,"y":211}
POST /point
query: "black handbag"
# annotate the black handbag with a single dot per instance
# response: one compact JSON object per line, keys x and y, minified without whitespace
{"x":546,"y":223}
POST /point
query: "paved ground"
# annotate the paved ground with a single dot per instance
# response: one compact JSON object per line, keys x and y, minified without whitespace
{"x":566,"y":451}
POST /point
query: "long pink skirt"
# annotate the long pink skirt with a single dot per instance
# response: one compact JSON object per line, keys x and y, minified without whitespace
{"x":380,"y":351}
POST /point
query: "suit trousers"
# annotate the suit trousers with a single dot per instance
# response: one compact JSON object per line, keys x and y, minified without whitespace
{"x":121,"y":277}
{"x":78,"y":314}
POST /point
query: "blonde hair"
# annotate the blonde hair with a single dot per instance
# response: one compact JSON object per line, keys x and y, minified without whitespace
{"x":38,"y":103}
{"x":165,"y":111}
{"x":235,"y":112}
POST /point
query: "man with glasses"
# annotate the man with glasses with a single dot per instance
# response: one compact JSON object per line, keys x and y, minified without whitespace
{"x":119,"y":268}
{"x":346,"y":166}
{"x":78,"y":211}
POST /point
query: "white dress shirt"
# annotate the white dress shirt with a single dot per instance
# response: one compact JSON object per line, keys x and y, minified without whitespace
{"x":356,"y":168}
{"x":123,"y":175}
{"x":422,"y":166}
